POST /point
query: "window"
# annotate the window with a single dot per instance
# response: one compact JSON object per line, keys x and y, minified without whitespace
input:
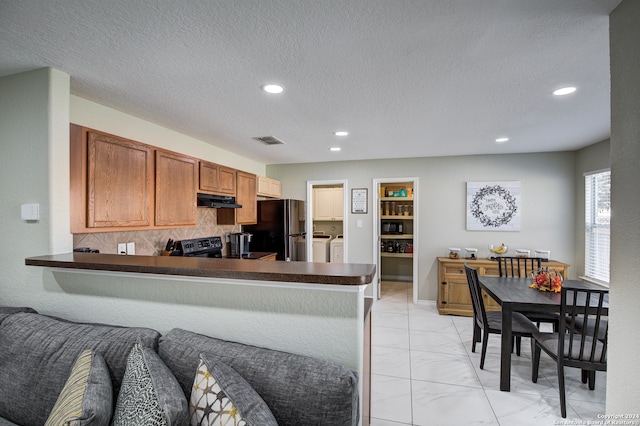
{"x":597,"y":225}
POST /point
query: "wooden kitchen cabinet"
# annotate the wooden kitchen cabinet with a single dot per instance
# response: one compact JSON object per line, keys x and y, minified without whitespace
{"x":246,"y":196}
{"x":176,"y":189}
{"x":328,"y":204}
{"x":268,"y":187}
{"x":111,"y":182}
{"x":453,"y":291}
{"x":217,"y":179}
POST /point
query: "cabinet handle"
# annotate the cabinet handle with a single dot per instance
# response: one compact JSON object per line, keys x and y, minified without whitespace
{"x":444,"y":282}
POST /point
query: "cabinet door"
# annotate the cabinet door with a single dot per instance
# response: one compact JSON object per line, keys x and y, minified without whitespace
{"x":175,"y":189}
{"x":119,"y":192}
{"x":328,"y":204}
{"x":246,"y":196}
{"x":227,"y":181}
{"x":338,"y":204}
{"x":217,"y":179}
{"x":268,"y":187}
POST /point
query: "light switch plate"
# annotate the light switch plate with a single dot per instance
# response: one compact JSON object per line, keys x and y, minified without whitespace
{"x":122,"y":248}
{"x":131,"y":248}
{"x":30,"y":211}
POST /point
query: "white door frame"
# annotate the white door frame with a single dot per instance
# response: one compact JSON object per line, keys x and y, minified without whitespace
{"x":377,"y":231}
{"x":345,"y":215}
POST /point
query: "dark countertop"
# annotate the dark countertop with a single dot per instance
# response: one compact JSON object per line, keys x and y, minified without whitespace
{"x":254,"y":255}
{"x":295,"y":272}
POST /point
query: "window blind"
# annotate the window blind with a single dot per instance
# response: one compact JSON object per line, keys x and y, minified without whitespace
{"x":597,"y":225}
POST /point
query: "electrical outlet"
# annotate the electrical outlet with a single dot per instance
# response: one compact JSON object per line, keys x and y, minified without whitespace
{"x":122,"y":248}
{"x":131,"y":248}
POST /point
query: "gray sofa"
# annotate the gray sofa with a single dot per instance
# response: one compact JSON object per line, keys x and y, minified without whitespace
{"x":37,"y":353}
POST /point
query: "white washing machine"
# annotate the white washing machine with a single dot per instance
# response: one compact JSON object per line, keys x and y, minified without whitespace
{"x":321,"y":245}
{"x":337,"y":249}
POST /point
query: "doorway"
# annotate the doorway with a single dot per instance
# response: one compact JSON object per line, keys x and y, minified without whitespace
{"x":395,"y":231}
{"x":327,"y":218}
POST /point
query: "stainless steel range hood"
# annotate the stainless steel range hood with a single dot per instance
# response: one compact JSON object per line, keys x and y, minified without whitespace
{"x":217,"y":201}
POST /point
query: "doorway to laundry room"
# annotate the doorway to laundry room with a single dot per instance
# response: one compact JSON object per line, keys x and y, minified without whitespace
{"x":326,"y":239}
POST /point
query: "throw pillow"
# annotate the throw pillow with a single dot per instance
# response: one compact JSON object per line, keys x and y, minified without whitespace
{"x":220,"y":396}
{"x":150,"y":395}
{"x":87,"y":396}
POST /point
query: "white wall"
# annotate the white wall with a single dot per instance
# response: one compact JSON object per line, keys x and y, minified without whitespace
{"x":623,"y":377}
{"x":34,"y":168}
{"x":548,"y":203}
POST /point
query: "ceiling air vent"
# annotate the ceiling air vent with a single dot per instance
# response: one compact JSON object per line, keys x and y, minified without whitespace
{"x":269,"y":140}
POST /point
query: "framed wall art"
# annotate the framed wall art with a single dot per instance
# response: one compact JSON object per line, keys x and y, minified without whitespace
{"x":493,"y":206}
{"x":359,"y":200}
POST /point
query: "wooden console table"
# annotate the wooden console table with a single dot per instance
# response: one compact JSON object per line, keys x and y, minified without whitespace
{"x":453,"y":291}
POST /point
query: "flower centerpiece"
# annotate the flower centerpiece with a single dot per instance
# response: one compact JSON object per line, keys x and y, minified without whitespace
{"x":547,"y":280}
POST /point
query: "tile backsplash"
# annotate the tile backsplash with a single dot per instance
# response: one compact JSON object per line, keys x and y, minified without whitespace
{"x":154,"y":241}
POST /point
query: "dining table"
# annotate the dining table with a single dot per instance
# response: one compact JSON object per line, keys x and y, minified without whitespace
{"x":514,"y":295}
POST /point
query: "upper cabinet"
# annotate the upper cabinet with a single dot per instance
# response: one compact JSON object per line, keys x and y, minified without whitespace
{"x":175,"y":189}
{"x":268,"y":187}
{"x":217,"y":179}
{"x":120,"y":184}
{"x":328,"y":203}
{"x":111,"y":182}
{"x":246,"y":197}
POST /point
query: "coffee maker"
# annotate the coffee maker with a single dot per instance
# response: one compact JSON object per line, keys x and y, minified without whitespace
{"x":239,"y":244}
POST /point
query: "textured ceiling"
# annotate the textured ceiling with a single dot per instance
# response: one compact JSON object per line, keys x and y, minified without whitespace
{"x":406,"y":78}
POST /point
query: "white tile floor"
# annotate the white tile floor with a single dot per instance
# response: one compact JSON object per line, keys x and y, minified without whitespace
{"x":424,"y":373}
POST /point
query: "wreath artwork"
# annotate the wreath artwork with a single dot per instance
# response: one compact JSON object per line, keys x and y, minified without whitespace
{"x":493,"y":206}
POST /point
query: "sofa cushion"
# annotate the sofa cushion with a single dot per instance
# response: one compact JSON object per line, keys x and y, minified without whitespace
{"x":221,"y":396}
{"x":150,"y":395}
{"x":87,"y":396}
{"x":38,"y":352}
{"x":299,"y":390}
{"x":5,"y":311}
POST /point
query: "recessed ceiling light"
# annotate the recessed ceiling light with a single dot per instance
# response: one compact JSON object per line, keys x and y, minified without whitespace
{"x":273,"y":88}
{"x":500,"y":140}
{"x":564,"y":91}
{"x":341,"y":133}
{"x":335,"y":148}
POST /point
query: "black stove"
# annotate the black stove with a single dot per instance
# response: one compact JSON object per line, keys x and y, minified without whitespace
{"x":199,"y":247}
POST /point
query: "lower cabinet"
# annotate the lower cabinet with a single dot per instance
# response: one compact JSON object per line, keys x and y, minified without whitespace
{"x":453,"y":291}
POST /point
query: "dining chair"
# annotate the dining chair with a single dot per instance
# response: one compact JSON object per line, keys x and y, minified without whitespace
{"x":521,"y":267}
{"x":490,"y":322}
{"x":585,"y":349}
{"x":525,"y":267}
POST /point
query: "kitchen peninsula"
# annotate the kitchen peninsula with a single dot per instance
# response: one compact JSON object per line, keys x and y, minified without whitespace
{"x":314,"y":309}
{"x":344,"y":274}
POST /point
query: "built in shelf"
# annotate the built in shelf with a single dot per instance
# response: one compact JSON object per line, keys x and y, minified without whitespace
{"x":396,"y":198}
{"x":397,"y":236}
{"x":396,"y":217}
{"x":406,"y":255}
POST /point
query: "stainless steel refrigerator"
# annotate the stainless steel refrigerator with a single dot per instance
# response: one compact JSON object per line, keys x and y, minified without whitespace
{"x":280,"y":229}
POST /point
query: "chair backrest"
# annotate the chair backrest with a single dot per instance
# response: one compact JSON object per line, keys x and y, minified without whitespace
{"x":520,"y":267}
{"x":590,"y":343}
{"x":479,"y":312}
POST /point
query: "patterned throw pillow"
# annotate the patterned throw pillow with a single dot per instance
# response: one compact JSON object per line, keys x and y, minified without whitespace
{"x":87,"y":396}
{"x":220,"y":396}
{"x":150,"y":395}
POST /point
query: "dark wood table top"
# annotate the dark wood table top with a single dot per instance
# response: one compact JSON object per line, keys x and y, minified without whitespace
{"x":347,"y":274}
{"x":516,"y":291}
